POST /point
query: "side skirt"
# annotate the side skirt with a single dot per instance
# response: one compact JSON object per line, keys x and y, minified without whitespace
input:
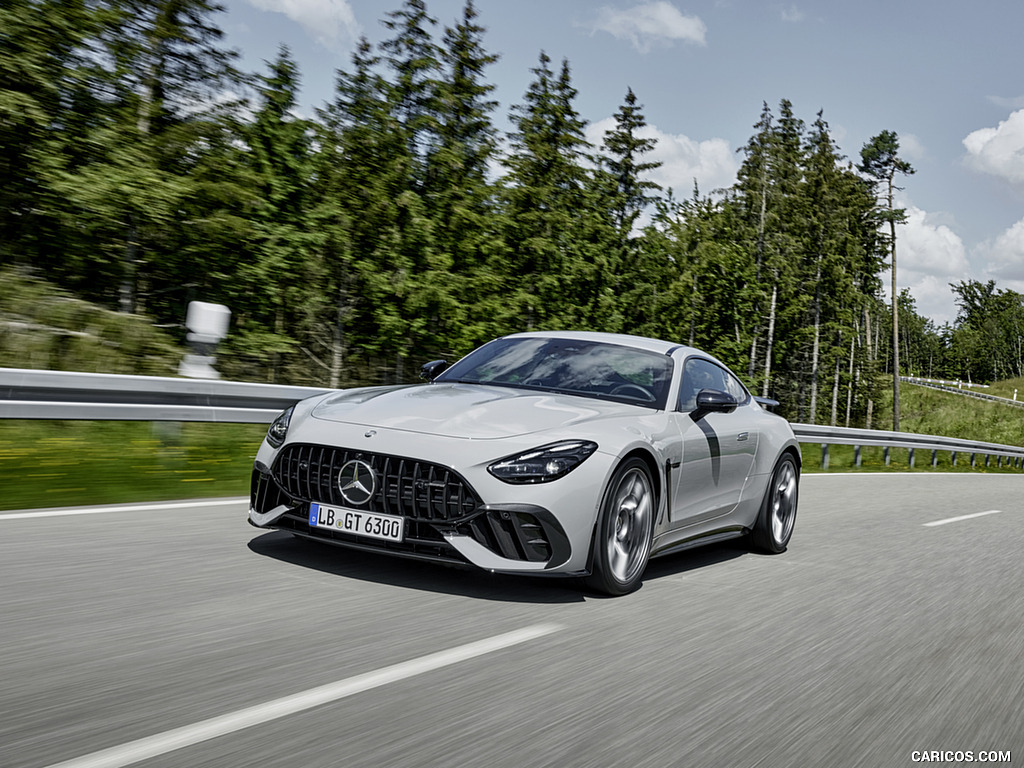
{"x":661,"y":548}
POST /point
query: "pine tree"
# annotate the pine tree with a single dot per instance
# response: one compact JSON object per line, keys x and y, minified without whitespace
{"x":458,"y":194}
{"x":414,"y":60}
{"x":624,"y":150}
{"x":552,"y":234}
{"x":274,"y":279}
{"x":162,"y":71}
{"x":880,"y":161}
{"x":45,"y":101}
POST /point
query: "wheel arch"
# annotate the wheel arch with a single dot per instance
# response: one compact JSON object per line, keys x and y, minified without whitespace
{"x":657,"y":473}
{"x":794,"y":451}
{"x":657,"y":478}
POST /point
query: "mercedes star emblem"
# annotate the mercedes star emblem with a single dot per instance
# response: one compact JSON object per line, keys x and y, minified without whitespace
{"x":357,"y":482}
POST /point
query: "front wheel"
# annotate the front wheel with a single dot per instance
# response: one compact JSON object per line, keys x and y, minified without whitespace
{"x":775,"y":520}
{"x":622,"y":539}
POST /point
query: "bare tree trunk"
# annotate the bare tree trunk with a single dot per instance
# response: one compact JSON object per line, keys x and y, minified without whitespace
{"x":693,"y":309}
{"x":771,"y":340}
{"x":871,"y":360}
{"x":835,"y":396}
{"x":849,"y":384}
{"x":895,"y":321}
{"x":129,"y":267}
{"x":337,"y":356}
{"x":759,"y":260}
{"x":817,"y":344}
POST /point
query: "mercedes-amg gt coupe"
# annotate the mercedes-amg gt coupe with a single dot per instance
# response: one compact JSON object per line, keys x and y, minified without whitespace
{"x":550,"y":453}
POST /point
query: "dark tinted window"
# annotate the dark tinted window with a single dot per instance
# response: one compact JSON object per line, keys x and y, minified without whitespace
{"x":701,"y":374}
{"x":589,"y":369}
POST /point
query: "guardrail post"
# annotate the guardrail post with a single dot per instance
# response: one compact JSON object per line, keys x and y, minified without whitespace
{"x":885,"y":452}
{"x":973,"y":458}
{"x":910,"y":457}
{"x":999,"y":462}
{"x":824,"y":455}
{"x":988,"y":459}
{"x":856,"y":456}
{"x":935,"y":459}
{"x":954,"y":458}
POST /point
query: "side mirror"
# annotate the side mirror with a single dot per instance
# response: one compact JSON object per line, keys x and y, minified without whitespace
{"x":713,"y":401}
{"x":433,"y":369}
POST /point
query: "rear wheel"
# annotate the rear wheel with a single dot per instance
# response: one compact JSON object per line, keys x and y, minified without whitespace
{"x":622,"y":540}
{"x":774,"y":526}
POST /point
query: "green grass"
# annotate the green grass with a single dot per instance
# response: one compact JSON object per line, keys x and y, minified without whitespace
{"x":1006,"y":389}
{"x":841,"y":458}
{"x":70,"y":463}
{"x":928,"y":411}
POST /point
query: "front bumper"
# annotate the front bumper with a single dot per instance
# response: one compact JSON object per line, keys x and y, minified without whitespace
{"x":507,"y":538}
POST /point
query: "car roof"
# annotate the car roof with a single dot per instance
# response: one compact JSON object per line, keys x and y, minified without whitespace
{"x":622,"y":339}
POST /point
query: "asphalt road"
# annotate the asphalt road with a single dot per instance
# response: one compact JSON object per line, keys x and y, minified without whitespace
{"x":182,"y":637}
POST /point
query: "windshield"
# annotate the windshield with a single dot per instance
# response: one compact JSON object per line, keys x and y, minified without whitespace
{"x":585,"y":368}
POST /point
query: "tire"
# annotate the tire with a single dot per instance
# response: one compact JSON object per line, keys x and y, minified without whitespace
{"x":625,"y":528}
{"x":775,"y":520}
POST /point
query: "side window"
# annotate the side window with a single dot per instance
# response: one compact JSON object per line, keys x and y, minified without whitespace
{"x":701,"y":374}
{"x":734,"y":388}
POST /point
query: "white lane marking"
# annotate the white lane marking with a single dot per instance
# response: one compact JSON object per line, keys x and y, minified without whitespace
{"x":962,"y":517}
{"x":132,"y":508}
{"x":161,"y":743}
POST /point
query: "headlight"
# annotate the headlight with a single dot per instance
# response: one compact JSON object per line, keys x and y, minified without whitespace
{"x":278,"y":430}
{"x":544,"y":464}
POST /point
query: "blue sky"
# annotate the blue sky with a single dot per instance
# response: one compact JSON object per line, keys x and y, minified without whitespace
{"x":946,"y":76}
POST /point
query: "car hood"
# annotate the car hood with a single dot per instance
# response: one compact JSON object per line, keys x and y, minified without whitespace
{"x":465,"y":410}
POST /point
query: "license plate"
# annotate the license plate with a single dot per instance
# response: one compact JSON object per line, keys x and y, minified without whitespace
{"x":361,"y":523}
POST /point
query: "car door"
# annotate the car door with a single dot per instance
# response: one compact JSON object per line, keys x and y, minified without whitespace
{"x":717,"y":448}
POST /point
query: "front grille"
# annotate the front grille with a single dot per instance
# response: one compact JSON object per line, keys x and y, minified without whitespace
{"x":264,"y":494}
{"x":418,"y":490}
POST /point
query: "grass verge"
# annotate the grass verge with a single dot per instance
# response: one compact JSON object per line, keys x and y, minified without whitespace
{"x":71,"y":463}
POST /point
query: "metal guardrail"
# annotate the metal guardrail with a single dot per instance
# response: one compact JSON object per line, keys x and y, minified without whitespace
{"x":951,"y":387}
{"x":858,"y":438}
{"x":944,"y":382}
{"x":35,"y":394}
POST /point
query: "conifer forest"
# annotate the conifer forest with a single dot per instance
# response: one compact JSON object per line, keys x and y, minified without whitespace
{"x":141,"y":169}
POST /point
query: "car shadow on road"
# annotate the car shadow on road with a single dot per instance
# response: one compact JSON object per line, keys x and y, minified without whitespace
{"x":678,"y":563}
{"x":415,"y":574}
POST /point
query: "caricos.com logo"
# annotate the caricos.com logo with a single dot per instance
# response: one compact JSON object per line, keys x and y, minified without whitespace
{"x":959,"y":756}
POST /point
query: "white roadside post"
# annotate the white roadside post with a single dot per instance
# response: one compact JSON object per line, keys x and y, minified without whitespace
{"x":207,"y":324}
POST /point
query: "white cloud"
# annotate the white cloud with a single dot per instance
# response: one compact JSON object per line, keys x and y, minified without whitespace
{"x":712,"y":163}
{"x":792,"y":14}
{"x":912,"y":148}
{"x":933,"y":298}
{"x":1012,"y":102}
{"x":1006,"y":256}
{"x":650,"y":24}
{"x":929,"y":256}
{"x":329,"y":22}
{"x":929,"y":247}
{"x":1000,"y":150}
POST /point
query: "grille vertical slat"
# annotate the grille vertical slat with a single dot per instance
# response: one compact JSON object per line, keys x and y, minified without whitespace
{"x":309,"y":473}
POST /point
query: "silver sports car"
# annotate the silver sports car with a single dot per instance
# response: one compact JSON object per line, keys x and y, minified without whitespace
{"x":576,"y":454}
